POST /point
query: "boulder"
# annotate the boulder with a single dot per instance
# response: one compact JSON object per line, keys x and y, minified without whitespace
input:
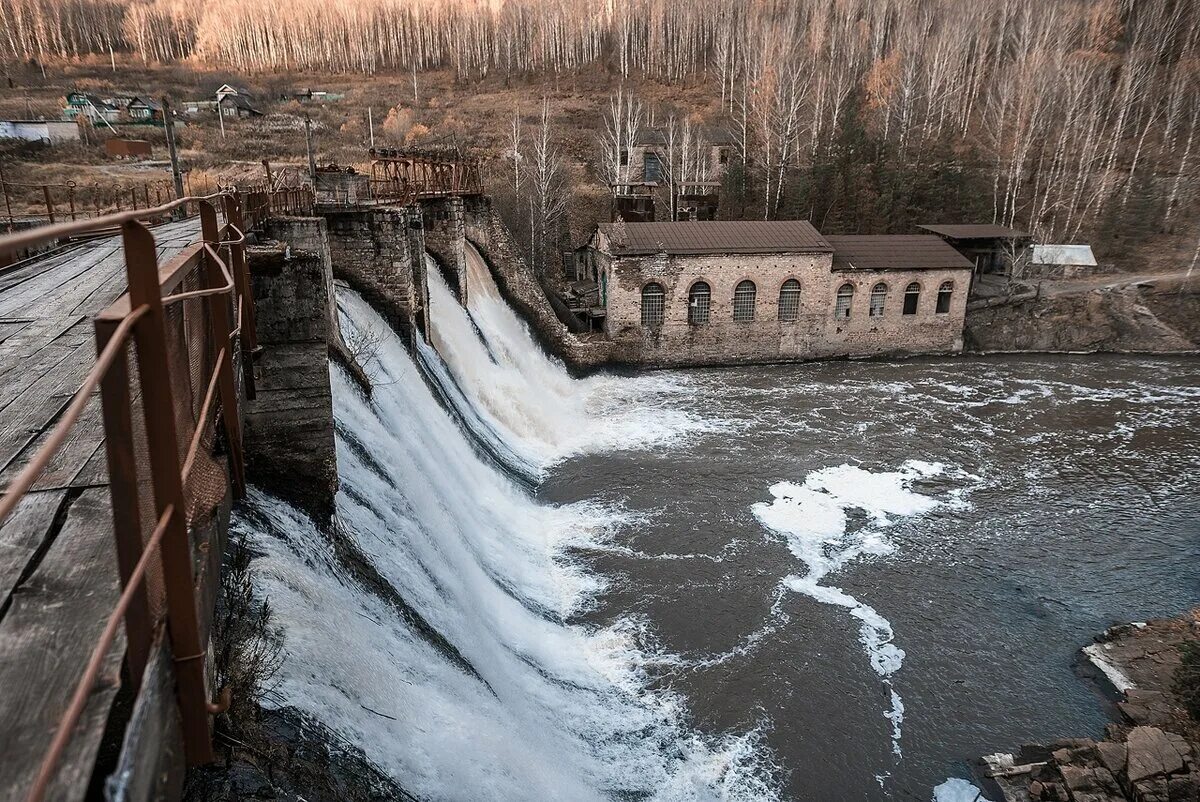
{"x":1185,"y":788}
{"x":1112,"y":756}
{"x":1090,"y":784}
{"x":1151,"y":754}
{"x":1154,"y":789}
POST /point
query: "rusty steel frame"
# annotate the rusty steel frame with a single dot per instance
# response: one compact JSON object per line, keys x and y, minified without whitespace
{"x":138,"y":317}
{"x":400,"y":173}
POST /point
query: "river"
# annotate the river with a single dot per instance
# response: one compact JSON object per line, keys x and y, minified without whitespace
{"x":814,"y":582}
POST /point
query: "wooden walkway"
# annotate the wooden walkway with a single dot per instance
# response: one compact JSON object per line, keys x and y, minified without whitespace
{"x":58,"y":576}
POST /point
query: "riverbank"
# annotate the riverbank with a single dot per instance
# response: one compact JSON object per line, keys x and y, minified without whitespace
{"x":1149,"y":314}
{"x":1151,"y":754}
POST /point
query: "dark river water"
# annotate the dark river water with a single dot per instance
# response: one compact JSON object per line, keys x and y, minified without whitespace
{"x":943,"y":537}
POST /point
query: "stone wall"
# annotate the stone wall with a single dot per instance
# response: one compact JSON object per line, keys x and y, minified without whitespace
{"x":444,"y":230}
{"x":370,"y":250}
{"x":814,"y":335}
{"x":487,"y":232}
{"x":289,"y":431}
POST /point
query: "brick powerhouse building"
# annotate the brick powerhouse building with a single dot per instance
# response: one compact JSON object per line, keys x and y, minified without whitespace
{"x":720,"y":292}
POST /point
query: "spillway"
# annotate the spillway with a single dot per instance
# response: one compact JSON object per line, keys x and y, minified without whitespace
{"x":431,"y":625}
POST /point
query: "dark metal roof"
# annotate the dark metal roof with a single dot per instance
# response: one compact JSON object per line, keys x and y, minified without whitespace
{"x":975,"y":231}
{"x":894,"y":252}
{"x":719,"y":236}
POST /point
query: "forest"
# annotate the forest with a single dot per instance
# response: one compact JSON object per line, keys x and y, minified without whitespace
{"x":1074,"y":119}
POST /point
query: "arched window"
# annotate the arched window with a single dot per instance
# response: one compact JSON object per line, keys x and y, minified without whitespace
{"x":699,"y":303}
{"x":653,"y":302}
{"x":743,"y":301}
{"x":944,"y":294}
{"x":789,"y":301}
{"x":878,"y":298}
{"x":845,"y":297}
{"x":912,"y":296}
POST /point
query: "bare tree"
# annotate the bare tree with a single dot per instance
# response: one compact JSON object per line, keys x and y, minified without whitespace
{"x":548,"y":196}
{"x":621,"y":125}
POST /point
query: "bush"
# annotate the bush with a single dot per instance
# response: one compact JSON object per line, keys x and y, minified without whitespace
{"x":1187,"y":677}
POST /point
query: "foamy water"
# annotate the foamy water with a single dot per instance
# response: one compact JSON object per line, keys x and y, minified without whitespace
{"x":461,"y":671}
{"x":528,"y":398}
{"x":813,"y":517}
{"x":455,"y":670}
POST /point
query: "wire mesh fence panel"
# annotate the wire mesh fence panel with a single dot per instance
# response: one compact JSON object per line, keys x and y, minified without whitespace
{"x":147,"y":511}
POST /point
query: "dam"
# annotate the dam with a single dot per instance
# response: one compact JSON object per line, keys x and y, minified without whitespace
{"x":768,"y":583}
{"x":496,"y":570}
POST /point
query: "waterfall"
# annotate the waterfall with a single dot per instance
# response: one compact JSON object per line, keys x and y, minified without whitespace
{"x":431,"y":628}
{"x":526,"y":398}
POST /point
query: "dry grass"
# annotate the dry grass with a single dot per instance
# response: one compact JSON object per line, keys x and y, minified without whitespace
{"x":475,"y":115}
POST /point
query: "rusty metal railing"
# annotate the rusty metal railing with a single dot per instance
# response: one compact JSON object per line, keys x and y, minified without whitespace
{"x":173,"y":348}
{"x":73,"y":201}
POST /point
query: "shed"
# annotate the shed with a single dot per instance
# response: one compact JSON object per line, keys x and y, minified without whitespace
{"x":1060,"y":261}
{"x":49,"y":131}
{"x":127,"y":148}
{"x":991,"y":248}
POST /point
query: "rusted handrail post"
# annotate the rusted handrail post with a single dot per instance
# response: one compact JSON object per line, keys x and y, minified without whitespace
{"x":49,"y":203}
{"x":141,"y":266}
{"x":126,"y":511}
{"x":220,"y":331}
{"x":241,"y":278}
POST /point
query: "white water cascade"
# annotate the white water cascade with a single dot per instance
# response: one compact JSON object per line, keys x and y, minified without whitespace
{"x":526,"y":398}
{"x":429,"y":629}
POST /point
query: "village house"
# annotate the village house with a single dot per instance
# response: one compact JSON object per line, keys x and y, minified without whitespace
{"x":90,"y":107}
{"x":237,"y":106}
{"x":235,"y":102}
{"x":118,"y":109}
{"x":719,"y":292}
{"x":145,"y":110}
{"x":645,"y":195}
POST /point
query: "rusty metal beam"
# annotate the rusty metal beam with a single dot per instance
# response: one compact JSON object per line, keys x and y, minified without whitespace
{"x":162,"y":444}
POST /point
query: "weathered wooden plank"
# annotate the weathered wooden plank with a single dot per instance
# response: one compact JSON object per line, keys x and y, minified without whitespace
{"x":151,"y":763}
{"x":23,"y":534}
{"x":15,"y":276}
{"x":10,"y":327}
{"x":17,"y":378}
{"x":54,"y":621}
{"x":94,"y":472}
{"x":40,"y":405}
{"x":43,"y":288}
{"x":82,"y":441}
{"x":33,"y":338}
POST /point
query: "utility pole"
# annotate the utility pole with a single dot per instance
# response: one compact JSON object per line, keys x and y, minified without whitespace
{"x":221,"y":118}
{"x":371,"y":126}
{"x":312,"y":159}
{"x":168,"y":119}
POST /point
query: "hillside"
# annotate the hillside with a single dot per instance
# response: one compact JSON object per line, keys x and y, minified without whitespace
{"x":1075,"y":121}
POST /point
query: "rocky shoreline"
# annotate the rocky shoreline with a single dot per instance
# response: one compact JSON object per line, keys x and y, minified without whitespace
{"x":1152,"y":754}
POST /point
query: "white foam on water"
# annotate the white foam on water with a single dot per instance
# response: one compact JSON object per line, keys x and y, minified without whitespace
{"x":957,"y":790}
{"x":543,"y":412}
{"x":556,"y":711}
{"x":812,"y":517}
